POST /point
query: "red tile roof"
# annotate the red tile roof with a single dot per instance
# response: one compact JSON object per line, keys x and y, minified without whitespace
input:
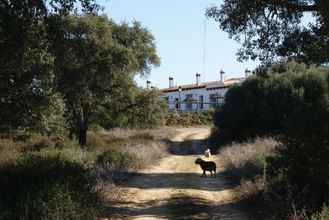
{"x":226,"y":83}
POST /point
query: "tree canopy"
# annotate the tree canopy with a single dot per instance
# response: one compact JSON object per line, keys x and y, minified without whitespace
{"x":60,"y":56}
{"x":27,"y":65}
{"x":271,"y":29}
{"x":93,"y":57}
{"x":289,"y":96}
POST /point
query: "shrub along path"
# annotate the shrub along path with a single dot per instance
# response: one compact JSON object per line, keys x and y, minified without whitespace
{"x":174,"y":188}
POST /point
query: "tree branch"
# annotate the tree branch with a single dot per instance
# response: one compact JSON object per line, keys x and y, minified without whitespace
{"x":302,"y":8}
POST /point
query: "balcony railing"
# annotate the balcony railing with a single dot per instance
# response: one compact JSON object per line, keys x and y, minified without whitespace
{"x":193,"y":105}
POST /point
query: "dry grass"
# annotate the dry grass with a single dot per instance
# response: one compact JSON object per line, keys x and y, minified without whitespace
{"x":247,"y":163}
{"x":136,"y":149}
{"x":128,"y":151}
{"x":103,"y":140}
{"x":136,"y":156}
{"x":323,"y":214}
{"x":237,"y":156}
{"x":249,"y":189}
{"x":158,"y":134}
{"x":145,"y":146}
{"x":10,"y":151}
{"x":145,"y":154}
{"x":45,"y":178}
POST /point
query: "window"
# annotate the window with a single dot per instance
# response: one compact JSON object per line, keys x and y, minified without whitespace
{"x":167,"y":99}
{"x":213,"y":98}
{"x":189,"y":101}
{"x":201,"y":101}
{"x":176,"y":103}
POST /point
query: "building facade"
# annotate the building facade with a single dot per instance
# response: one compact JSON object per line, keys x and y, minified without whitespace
{"x":198,"y":96}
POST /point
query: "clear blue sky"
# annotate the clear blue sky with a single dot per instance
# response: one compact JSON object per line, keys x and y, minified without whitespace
{"x":178,"y":27}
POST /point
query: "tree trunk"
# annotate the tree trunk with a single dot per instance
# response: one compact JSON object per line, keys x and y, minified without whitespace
{"x":72,"y":133}
{"x":83,"y":136}
{"x":83,"y":126}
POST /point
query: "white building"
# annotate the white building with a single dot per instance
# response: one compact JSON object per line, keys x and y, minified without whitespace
{"x":198,"y":96}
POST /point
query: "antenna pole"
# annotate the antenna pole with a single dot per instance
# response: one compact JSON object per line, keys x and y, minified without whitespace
{"x":204,"y":48}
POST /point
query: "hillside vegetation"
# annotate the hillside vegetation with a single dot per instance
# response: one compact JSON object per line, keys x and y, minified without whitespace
{"x":50,"y":178}
{"x":290,"y":102}
{"x":66,"y":72}
{"x":187,"y":119}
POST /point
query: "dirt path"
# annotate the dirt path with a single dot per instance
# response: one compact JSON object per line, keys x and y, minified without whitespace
{"x":175,"y":189}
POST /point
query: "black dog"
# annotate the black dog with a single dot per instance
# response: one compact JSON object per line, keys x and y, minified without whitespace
{"x":207,"y":166}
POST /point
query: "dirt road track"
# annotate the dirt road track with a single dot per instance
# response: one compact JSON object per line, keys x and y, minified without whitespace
{"x":175,"y":189}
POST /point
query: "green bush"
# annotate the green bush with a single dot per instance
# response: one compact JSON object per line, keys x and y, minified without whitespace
{"x":274,"y":105}
{"x":186,"y":119}
{"x":292,"y":104}
{"x":41,"y":187}
{"x":303,"y":166}
{"x":304,"y":157}
{"x":257,"y":107}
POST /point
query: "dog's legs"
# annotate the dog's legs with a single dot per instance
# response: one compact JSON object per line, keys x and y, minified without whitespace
{"x":204,"y":173}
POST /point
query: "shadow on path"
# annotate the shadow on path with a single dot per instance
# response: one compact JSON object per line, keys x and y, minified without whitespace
{"x":177,"y":181}
{"x":187,"y":147}
{"x":177,"y":207}
{"x":175,"y":189}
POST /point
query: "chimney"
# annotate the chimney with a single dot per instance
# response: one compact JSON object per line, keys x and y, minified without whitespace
{"x":171,"y":82}
{"x":198,"y":78}
{"x":148,"y":84}
{"x":247,"y":73}
{"x":222,"y":75}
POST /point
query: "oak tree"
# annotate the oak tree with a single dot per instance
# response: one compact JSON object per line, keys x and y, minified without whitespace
{"x":92,"y":55}
{"x":272,"y":29}
{"x":26,"y":73}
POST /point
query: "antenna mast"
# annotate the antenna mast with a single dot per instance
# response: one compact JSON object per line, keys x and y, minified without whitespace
{"x":204,"y":49}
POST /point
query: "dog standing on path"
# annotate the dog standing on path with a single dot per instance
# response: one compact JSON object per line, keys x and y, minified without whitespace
{"x":207,"y":166}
